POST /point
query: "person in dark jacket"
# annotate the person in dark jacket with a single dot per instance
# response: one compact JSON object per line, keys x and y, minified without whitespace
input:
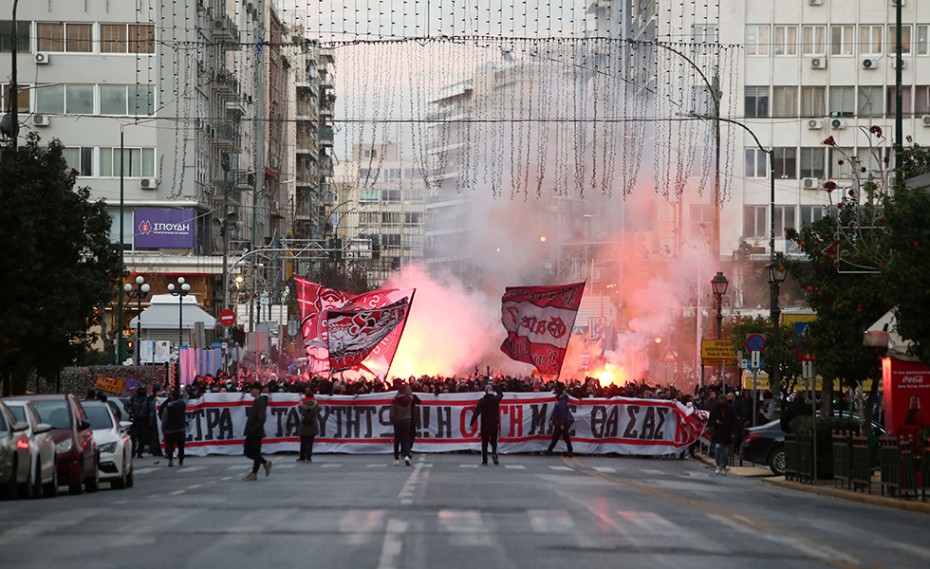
{"x":255,"y":432}
{"x":488,"y":409}
{"x":797,"y":407}
{"x":309,"y":428}
{"x":561,"y":422}
{"x":140,"y":408}
{"x":174,"y":425}
{"x":724,"y":427}
{"x":400,"y":415}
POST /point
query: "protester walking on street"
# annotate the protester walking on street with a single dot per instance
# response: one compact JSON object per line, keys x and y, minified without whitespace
{"x":255,"y":432}
{"x":400,"y":415}
{"x":488,"y":409}
{"x":724,"y":427}
{"x":174,"y":425}
{"x":140,"y":409}
{"x":561,"y":422}
{"x":309,"y":428}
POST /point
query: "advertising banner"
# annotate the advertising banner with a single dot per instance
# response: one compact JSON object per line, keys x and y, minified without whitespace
{"x":157,"y":228}
{"x":359,"y":424}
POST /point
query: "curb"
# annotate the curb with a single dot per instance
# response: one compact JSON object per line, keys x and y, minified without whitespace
{"x":865,"y":498}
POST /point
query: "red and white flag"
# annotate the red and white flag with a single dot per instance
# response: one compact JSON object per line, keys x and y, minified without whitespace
{"x":352,"y":335}
{"x":539,"y":321}
{"x":315,"y":300}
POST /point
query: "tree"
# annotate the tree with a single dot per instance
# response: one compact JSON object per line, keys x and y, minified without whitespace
{"x":58,"y":263}
{"x":742,"y":326}
{"x":908,"y":265}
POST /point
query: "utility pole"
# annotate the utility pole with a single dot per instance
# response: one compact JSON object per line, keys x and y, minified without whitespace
{"x":14,"y":88}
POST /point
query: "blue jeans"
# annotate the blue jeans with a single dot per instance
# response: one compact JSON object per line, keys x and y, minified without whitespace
{"x":720,"y":454}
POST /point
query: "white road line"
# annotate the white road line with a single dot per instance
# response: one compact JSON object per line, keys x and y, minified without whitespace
{"x":194,"y":486}
{"x":377,"y":465}
{"x":653,"y":472}
{"x":239,"y":467}
{"x":562,"y":468}
{"x":607,"y":469}
{"x":464,"y":526}
{"x":551,"y":521}
{"x":468,"y":466}
{"x":280,"y":466}
{"x":225,"y":478}
{"x":192,"y":468}
{"x":390,"y":550}
{"x":144,"y":470}
{"x":514,"y":467}
{"x":358,"y":527}
{"x":176,"y":492}
{"x":332,"y":465}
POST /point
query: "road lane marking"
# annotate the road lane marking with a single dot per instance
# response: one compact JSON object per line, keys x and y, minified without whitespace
{"x":332,"y":465}
{"x":393,"y":544}
{"x":551,"y":521}
{"x":514,"y":467}
{"x":464,"y":526}
{"x":144,"y":470}
{"x":607,"y":469}
{"x":192,"y":468}
{"x":468,"y":466}
{"x":358,"y":526}
{"x":562,"y":468}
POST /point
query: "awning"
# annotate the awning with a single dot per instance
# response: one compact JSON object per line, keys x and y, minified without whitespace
{"x":884,"y":334}
{"x":163,"y":315}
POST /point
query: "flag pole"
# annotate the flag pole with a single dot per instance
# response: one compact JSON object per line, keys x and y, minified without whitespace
{"x":387,"y":372}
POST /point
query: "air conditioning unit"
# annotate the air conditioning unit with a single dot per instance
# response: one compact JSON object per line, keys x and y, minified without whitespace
{"x":870,"y":64}
{"x":815,"y":124}
{"x":815,"y":2}
{"x":894,"y":63}
{"x":819,"y":63}
{"x":925,"y":120}
{"x":40,"y":120}
{"x":148,"y":183}
{"x":810,"y":183}
{"x":837,"y":124}
{"x":41,"y":58}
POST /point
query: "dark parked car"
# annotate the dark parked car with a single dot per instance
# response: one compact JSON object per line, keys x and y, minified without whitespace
{"x":766,"y":444}
{"x":14,"y":455}
{"x":74,"y":440}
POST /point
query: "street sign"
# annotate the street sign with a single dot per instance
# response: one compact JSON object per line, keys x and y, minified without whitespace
{"x":227,"y":318}
{"x":755,"y":359}
{"x":132,"y":384}
{"x":670,"y":357}
{"x":717,"y":352}
{"x":109,"y":384}
{"x":755,"y":342}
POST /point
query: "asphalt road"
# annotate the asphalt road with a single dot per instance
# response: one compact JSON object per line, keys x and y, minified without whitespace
{"x":446,"y":511}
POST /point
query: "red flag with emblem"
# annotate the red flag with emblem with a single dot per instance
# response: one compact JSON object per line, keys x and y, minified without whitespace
{"x":539,"y":321}
{"x":353,"y":334}
{"x":315,"y":300}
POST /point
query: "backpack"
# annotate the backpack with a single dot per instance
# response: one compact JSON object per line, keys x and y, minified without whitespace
{"x":307,"y":418}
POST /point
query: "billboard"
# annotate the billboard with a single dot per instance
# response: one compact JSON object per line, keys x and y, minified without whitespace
{"x":164,"y":228}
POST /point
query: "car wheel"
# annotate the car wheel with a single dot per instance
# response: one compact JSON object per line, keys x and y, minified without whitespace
{"x":92,"y":484}
{"x":119,"y":483}
{"x":25,"y":489}
{"x":37,"y":482}
{"x":51,"y":488}
{"x":130,"y":480}
{"x":777,"y":461}
{"x":8,"y":491}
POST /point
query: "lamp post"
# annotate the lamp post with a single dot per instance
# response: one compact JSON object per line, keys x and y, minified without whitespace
{"x":719,"y":284}
{"x":180,"y":291}
{"x":140,"y":291}
{"x":777,"y":273}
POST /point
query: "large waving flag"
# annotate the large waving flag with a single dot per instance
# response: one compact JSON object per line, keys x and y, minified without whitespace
{"x":539,"y":322}
{"x":352,"y":335}
{"x":315,"y":300}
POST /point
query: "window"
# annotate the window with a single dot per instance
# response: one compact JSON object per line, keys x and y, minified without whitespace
{"x":127,"y":228}
{"x":842,"y":101}
{"x":814,"y":40}
{"x":137,"y":162}
{"x":811,"y":213}
{"x":786,"y":163}
{"x":922,"y":100}
{"x":390,"y":218}
{"x":369,"y":195}
{"x":842,"y":40}
{"x":870,"y":159}
{"x":64,"y":37}
{"x":870,"y":40}
{"x":700,"y":221}
{"x":369,"y":153}
{"x":65,"y":99}
{"x":413,"y":195}
{"x":367,"y":218}
{"x":905,"y":40}
{"x":906,"y":104}
{"x":50,"y":99}
{"x":755,"y":219}
{"x":813,"y":162}
{"x":127,"y":38}
{"x":412,"y":218}
{"x":80,"y":159}
{"x":754,"y":163}
{"x":704,"y":33}
{"x":757,"y":102}
{"x":923,"y":39}
{"x":786,"y":40}
{"x":785,"y":102}
{"x":22,"y":36}
{"x":390,"y":240}
{"x":813,"y":101}
{"x":127,"y":100}
{"x":757,"y":40}
{"x":784,"y":219}
{"x":870,"y":101}
{"x":842,"y":163}
{"x":22,"y":98}
{"x":390,"y":196}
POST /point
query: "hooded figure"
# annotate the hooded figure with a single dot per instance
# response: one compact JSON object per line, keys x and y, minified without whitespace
{"x":309,"y":410}
{"x":488,"y":409}
{"x":400,"y":416}
{"x":561,"y":421}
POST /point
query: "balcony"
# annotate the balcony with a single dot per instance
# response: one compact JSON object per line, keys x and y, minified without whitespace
{"x":225,"y":32}
{"x":225,"y":136}
{"x":225,"y":85}
{"x":326,"y":136}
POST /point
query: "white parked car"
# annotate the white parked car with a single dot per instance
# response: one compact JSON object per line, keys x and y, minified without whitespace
{"x":114,"y":444}
{"x":43,"y":470}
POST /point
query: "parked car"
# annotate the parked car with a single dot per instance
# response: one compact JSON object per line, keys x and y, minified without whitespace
{"x":14,"y":455}
{"x":114,"y":444}
{"x":766,"y":444}
{"x":74,"y":440}
{"x":43,"y":472}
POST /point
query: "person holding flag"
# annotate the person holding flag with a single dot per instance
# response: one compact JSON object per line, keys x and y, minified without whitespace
{"x":488,"y":409}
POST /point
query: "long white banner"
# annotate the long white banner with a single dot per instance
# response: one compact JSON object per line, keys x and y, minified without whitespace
{"x":359,"y":424}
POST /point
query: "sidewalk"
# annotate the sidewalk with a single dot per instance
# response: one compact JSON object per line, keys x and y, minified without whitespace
{"x":826,"y":488}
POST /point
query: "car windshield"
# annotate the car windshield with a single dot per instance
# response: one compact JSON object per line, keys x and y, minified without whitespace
{"x":99,"y":417}
{"x":55,"y":413}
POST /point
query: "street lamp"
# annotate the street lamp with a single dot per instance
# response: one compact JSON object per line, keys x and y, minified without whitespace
{"x":140,"y":291}
{"x":180,"y":291}
{"x":777,"y":273}
{"x":719,"y":284}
